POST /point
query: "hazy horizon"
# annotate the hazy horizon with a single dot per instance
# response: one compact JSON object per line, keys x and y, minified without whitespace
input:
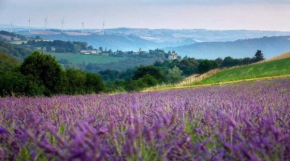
{"x":261,"y":15}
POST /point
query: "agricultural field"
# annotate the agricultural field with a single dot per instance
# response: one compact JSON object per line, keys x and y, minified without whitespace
{"x":246,"y":121}
{"x":80,"y":58}
{"x":18,"y":42}
{"x":259,"y":70}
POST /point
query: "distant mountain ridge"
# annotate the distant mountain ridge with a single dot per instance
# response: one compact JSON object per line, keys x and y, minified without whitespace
{"x":198,"y":43}
{"x":128,"y":39}
{"x":270,"y":47}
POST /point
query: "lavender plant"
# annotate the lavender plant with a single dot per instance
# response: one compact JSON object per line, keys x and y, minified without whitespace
{"x":247,"y":121}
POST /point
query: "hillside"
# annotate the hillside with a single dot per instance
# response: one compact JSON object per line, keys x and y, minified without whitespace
{"x":270,"y":46}
{"x":260,"y":70}
{"x":133,"y":38}
{"x":68,"y":54}
{"x":8,"y":36}
{"x":114,"y":42}
{"x":7,"y":62}
{"x":278,"y":57}
{"x":16,"y":51}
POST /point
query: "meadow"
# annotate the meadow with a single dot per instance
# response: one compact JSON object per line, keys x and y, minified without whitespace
{"x":258,"y":70}
{"x":245,"y":121}
{"x":81,"y":58}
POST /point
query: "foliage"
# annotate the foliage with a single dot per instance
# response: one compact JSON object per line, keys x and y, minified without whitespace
{"x":7,"y":62}
{"x":14,"y":83}
{"x":110,"y":75}
{"x":94,"y":83}
{"x":230,"y":62}
{"x":174,"y":75}
{"x":188,"y":66}
{"x":209,"y":123}
{"x":76,"y":81}
{"x":206,"y":65}
{"x":40,"y":74}
{"x":148,"y":70}
{"x":46,"y":69}
{"x":60,"y":46}
{"x":121,"y":64}
{"x":147,"y":81}
{"x":117,"y":85}
{"x":258,"y":56}
{"x":16,"y":51}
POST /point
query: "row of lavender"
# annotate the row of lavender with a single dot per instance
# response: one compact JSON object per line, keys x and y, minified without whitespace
{"x":248,"y":121}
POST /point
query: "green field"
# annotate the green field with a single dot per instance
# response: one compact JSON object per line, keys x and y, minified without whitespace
{"x":81,"y":58}
{"x":268,"y":69}
{"x":18,"y":42}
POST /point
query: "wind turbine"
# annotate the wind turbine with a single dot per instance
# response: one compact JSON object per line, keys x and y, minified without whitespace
{"x":11,"y":29}
{"x":45,"y":22}
{"x":104,"y":27}
{"x":62,"y":23}
{"x":83,"y":27}
{"x":29,"y":25}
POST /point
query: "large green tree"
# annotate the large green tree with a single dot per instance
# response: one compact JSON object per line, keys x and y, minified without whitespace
{"x":46,"y":69}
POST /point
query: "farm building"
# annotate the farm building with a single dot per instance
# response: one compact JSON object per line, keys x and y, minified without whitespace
{"x":90,"y":51}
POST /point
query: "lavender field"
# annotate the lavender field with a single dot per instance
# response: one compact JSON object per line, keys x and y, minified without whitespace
{"x":247,"y":121}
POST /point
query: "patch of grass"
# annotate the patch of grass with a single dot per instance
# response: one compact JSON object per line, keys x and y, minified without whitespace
{"x":162,"y":86}
{"x":18,"y":42}
{"x":267,"y":69}
{"x":81,"y":58}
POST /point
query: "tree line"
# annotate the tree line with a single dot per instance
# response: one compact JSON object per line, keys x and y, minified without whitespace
{"x":168,"y":72}
{"x":16,"y":51}
{"x":40,"y":74}
{"x":60,"y":46}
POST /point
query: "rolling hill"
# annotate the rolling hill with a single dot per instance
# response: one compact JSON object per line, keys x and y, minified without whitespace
{"x":270,"y":46}
{"x":281,"y":56}
{"x":16,"y":51}
{"x":128,"y":39}
{"x":260,"y":70}
{"x":7,"y":62}
{"x":275,"y":67}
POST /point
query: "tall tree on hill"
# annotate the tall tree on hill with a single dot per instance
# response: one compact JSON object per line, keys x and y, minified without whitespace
{"x":46,"y":69}
{"x":259,"y":56}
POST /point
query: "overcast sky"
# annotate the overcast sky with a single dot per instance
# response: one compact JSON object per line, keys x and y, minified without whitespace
{"x":173,"y":14}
